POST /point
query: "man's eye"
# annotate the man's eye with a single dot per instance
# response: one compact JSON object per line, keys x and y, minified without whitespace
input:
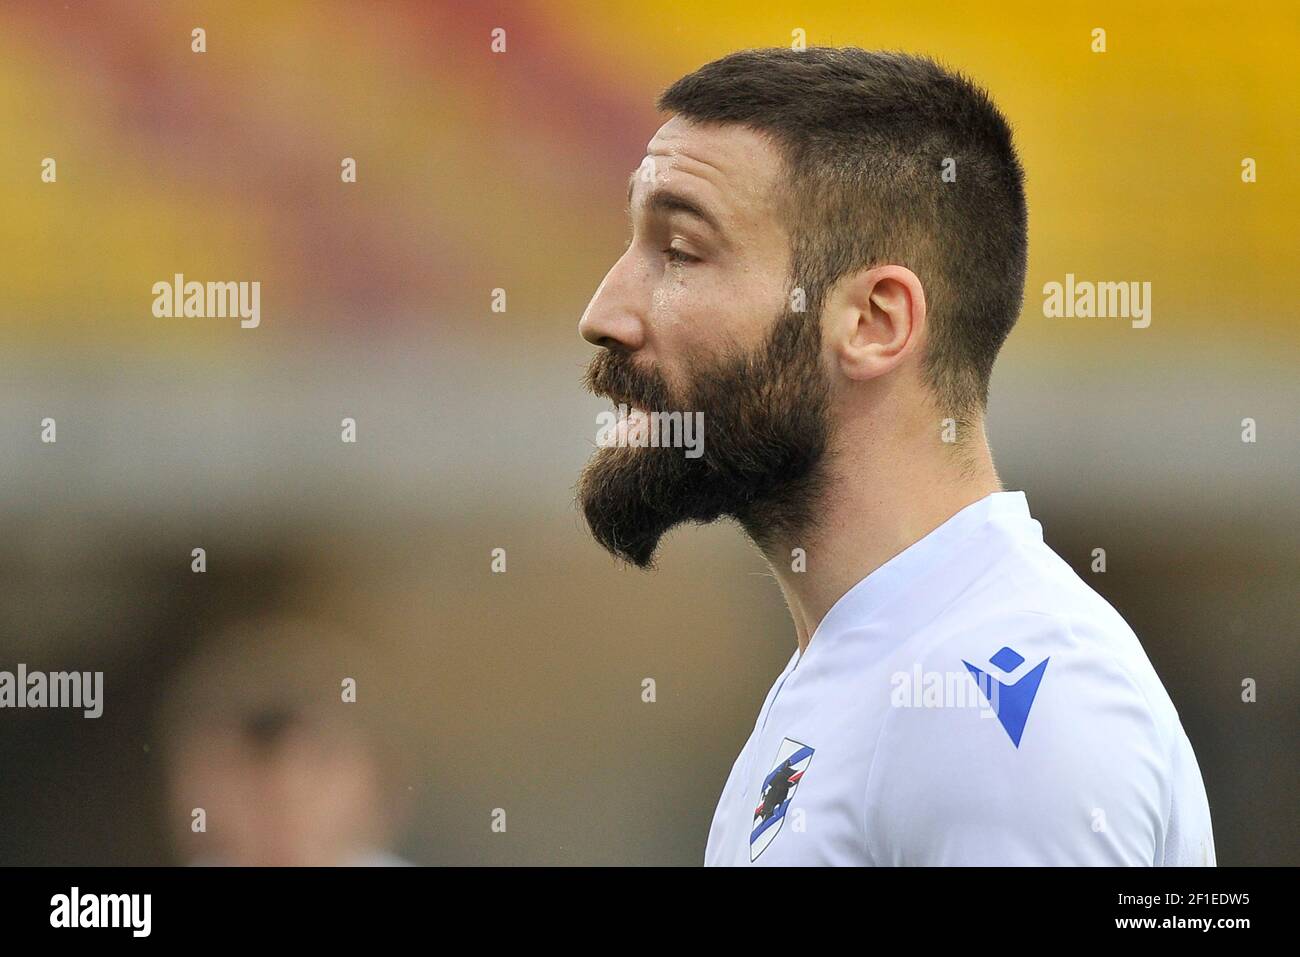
{"x":677,"y":256}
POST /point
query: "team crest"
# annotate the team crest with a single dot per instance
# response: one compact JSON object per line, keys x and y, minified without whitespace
{"x":776,"y":792}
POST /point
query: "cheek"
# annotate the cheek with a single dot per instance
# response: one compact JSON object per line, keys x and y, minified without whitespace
{"x":690,"y":324}
{"x":700,"y":308}
{"x":698,"y":315}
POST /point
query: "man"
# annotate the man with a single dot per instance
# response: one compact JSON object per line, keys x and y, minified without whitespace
{"x":828,"y":251}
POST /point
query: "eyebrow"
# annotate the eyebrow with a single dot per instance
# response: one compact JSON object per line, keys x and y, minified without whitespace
{"x":664,"y":200}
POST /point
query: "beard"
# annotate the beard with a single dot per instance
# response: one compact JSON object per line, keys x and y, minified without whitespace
{"x":766,"y":429}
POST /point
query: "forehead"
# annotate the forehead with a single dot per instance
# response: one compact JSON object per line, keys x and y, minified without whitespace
{"x":730,"y":167}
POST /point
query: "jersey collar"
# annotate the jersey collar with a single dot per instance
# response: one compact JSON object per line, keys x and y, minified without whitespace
{"x":865,"y":599}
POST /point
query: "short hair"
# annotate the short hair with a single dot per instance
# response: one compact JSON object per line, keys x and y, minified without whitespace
{"x":866,"y":137}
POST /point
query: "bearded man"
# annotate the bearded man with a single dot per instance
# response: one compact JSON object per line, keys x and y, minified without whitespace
{"x":828,"y":251}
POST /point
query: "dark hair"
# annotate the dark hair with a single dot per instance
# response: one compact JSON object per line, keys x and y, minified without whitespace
{"x":865,"y":136}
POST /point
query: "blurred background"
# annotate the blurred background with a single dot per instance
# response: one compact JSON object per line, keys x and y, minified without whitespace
{"x":521,"y":691}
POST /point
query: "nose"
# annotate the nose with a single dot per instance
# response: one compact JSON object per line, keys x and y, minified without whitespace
{"x":614,"y":319}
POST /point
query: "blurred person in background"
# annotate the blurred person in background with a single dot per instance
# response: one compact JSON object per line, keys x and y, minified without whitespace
{"x":268,"y":763}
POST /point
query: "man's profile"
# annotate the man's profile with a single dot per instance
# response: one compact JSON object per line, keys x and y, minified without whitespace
{"x":828,"y":251}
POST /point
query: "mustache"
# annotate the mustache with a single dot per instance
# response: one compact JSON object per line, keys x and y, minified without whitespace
{"x":616,"y":376}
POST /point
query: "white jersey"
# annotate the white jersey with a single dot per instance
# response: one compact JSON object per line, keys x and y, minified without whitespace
{"x":970,"y":702}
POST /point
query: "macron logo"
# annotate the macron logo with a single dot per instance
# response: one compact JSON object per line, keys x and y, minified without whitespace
{"x":1010,"y":702}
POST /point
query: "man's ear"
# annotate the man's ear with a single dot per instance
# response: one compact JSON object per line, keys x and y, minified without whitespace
{"x":874,"y":320}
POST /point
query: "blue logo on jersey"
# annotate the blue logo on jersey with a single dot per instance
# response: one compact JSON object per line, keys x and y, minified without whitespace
{"x":1013,"y":700}
{"x":776,"y":792}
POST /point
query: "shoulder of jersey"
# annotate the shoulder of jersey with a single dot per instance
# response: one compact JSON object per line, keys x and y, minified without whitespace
{"x":1031,"y":629}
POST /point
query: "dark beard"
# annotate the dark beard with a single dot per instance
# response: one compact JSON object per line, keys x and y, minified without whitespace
{"x":766,"y":427}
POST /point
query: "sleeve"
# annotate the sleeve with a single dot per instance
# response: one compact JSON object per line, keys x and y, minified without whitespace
{"x":1069,"y":769}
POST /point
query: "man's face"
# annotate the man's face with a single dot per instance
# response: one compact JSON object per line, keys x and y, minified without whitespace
{"x":692,"y":318}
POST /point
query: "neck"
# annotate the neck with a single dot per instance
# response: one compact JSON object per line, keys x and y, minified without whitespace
{"x":876,"y":502}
